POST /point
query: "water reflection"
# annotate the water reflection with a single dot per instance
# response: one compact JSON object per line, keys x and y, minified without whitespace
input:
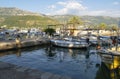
{"x":77,"y":63}
{"x":83,"y":59}
{"x":49,"y":52}
{"x":111,"y":65}
{"x":64,"y":53}
{"x":18,"y":52}
{"x":114,"y":68}
{"x":10,"y":52}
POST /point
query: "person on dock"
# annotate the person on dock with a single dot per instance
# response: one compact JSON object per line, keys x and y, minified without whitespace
{"x":87,"y":40}
{"x":17,"y":40}
{"x":114,"y":41}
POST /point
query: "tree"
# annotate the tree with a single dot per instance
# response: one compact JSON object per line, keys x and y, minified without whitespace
{"x":49,"y":31}
{"x":74,"y":21}
{"x":102,"y":26}
{"x":115,"y":28}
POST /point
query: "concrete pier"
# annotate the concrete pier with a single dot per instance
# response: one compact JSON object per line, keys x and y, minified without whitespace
{"x":20,"y":43}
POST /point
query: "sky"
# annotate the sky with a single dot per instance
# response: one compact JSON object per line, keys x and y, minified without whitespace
{"x":73,"y":7}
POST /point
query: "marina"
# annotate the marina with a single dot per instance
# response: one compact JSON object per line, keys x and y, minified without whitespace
{"x":60,"y":39}
{"x":71,"y":57}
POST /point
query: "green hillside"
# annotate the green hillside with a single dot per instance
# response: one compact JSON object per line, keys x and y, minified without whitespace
{"x":26,"y":21}
{"x":95,"y":20}
{"x":13,"y":11}
{"x":101,"y":19}
{"x":14,"y":17}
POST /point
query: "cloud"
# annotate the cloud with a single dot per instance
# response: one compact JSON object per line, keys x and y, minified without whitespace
{"x":52,"y":7}
{"x":116,"y":3}
{"x":76,"y":7}
{"x":69,"y":7}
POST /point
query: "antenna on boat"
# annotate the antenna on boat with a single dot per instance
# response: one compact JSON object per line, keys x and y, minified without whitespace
{"x":119,"y":23}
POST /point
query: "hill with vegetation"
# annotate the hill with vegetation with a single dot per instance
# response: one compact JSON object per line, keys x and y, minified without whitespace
{"x":26,"y":21}
{"x":13,"y":11}
{"x":13,"y":17}
{"x":94,"y":20}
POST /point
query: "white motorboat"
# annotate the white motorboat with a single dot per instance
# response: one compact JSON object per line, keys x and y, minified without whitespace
{"x":70,"y":43}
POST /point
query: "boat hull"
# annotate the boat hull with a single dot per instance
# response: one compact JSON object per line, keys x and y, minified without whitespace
{"x":69,"y":44}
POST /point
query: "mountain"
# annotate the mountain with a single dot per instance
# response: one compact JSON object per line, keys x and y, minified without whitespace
{"x":95,"y":20}
{"x":101,"y":19}
{"x":12,"y":11}
{"x":14,"y":17}
{"x":27,"y":21}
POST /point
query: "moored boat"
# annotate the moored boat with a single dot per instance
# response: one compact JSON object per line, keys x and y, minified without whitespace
{"x":92,"y":39}
{"x":114,"y":51}
{"x":69,"y":43}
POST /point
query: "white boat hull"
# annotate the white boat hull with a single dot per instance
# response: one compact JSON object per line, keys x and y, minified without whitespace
{"x":69,"y":44}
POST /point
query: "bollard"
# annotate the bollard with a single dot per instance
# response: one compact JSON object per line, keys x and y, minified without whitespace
{"x":18,"y":43}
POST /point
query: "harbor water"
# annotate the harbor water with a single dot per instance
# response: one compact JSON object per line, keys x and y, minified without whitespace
{"x":75,"y":63}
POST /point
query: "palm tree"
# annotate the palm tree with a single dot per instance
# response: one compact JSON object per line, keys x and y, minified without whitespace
{"x":114,"y":28}
{"x":75,"y":20}
{"x":102,"y":26}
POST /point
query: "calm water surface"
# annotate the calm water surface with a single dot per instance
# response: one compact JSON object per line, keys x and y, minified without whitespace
{"x":76,"y":63}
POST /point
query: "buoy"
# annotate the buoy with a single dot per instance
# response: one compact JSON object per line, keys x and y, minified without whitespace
{"x":98,"y":47}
